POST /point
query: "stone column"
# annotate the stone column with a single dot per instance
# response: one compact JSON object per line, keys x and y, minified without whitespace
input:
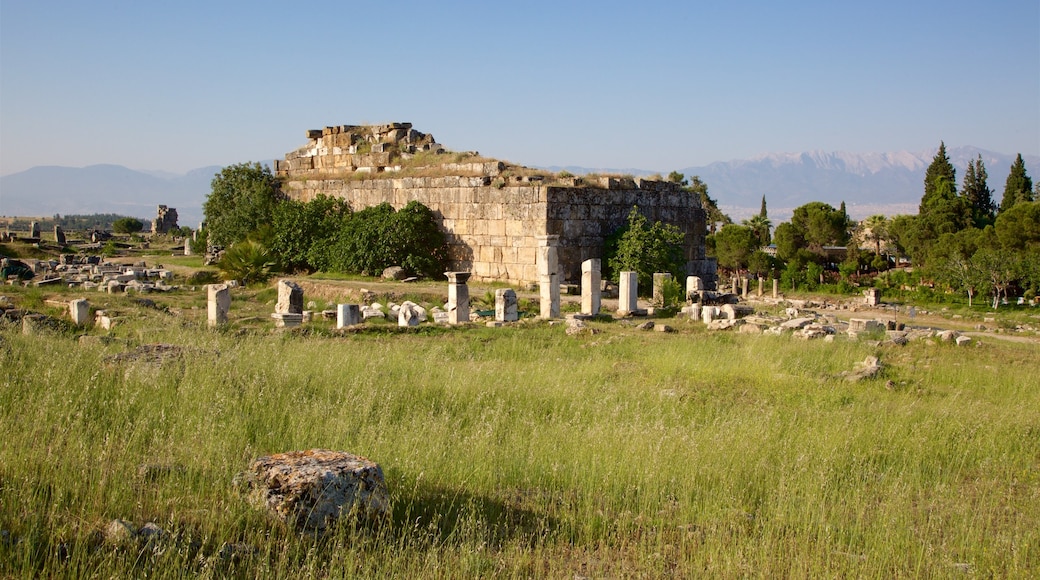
{"x":347,"y":315}
{"x":776,"y":288}
{"x":79,"y":310}
{"x":187,"y":246}
{"x":59,"y":236}
{"x":505,"y":305}
{"x":458,"y":297}
{"x":34,"y":230}
{"x":660,"y":278}
{"x":548,"y":263}
{"x":761,"y":285}
{"x":628,"y":299}
{"x":743,"y":287}
{"x":734,"y":285}
{"x":590,"y":286}
{"x":219,"y":302}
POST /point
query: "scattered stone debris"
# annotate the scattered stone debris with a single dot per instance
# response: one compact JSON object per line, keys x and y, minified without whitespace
{"x":868,"y":369}
{"x":312,"y":489}
{"x":577,"y":326}
{"x":155,"y":353}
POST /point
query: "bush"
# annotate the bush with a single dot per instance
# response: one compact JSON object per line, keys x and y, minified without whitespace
{"x":378,"y":237}
{"x":248,"y":261}
{"x":644,"y":249}
{"x":127,"y":225}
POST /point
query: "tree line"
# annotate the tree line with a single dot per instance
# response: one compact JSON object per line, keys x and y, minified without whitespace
{"x":961,"y":239}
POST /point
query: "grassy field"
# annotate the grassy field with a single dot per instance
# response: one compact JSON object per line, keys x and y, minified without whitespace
{"x":520,"y":451}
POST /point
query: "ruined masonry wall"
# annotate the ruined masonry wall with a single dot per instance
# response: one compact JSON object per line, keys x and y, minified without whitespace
{"x":491,"y":231}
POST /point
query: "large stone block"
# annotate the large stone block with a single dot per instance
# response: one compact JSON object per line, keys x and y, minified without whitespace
{"x":218,"y":303}
{"x":290,"y":298}
{"x":312,"y":489}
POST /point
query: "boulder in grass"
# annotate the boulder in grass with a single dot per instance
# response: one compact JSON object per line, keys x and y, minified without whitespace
{"x":312,"y":489}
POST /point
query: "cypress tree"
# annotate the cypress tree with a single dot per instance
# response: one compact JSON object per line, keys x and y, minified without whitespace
{"x":940,"y":168}
{"x":978,"y":194}
{"x":1018,"y":186}
{"x":762,"y":212}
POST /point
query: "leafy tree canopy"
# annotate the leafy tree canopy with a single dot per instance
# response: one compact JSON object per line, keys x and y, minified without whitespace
{"x":734,"y":245}
{"x":127,"y":225}
{"x":242,"y":198}
{"x":646,"y":249}
{"x":1018,"y":186}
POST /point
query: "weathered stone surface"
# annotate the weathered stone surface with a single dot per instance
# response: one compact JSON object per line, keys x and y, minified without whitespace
{"x":409,"y":314}
{"x":290,"y":298}
{"x":59,"y":236}
{"x":119,"y":532}
{"x":723,"y":324}
{"x":218,"y":302}
{"x":347,"y":315}
{"x":869,"y":368}
{"x":79,"y":311}
{"x":312,"y":489}
{"x":796,"y":323}
{"x":962,"y":340}
{"x":506,"y":305}
{"x":395,"y":273}
{"x":628,"y":299}
{"x":458,"y":297}
{"x":591,"y":280}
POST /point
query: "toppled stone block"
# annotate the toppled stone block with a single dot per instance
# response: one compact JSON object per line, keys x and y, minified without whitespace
{"x":314,"y":488}
{"x":962,"y":340}
{"x":868,"y":369}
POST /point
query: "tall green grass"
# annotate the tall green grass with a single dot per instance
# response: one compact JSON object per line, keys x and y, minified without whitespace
{"x":525,"y":452}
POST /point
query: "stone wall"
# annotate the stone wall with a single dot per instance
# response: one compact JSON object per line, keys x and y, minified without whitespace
{"x":491,"y":216}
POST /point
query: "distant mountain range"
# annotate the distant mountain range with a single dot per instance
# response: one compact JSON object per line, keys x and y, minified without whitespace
{"x":868,"y":183}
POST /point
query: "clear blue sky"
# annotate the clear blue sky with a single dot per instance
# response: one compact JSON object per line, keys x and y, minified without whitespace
{"x":652,"y":85}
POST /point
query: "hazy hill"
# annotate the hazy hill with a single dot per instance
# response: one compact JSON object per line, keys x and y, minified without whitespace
{"x":869,"y":183}
{"x":49,"y":190}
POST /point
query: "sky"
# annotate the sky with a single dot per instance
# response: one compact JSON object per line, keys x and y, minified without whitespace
{"x":662,"y":85}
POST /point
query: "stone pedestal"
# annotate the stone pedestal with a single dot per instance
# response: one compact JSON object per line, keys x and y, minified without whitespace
{"x":347,"y":315}
{"x":694,"y":288}
{"x":458,"y":297}
{"x":628,"y":299}
{"x":79,"y":311}
{"x":290,"y":298}
{"x":548,"y":264}
{"x":219,"y":303}
{"x":505,"y":305}
{"x":590,"y":286}
{"x":873,"y":296}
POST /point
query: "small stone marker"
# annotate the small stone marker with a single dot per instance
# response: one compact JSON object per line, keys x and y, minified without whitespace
{"x":34,"y":230}
{"x":59,"y":236}
{"x":505,"y":305}
{"x":347,"y":315}
{"x":458,"y":297}
{"x":79,"y":311}
{"x":590,"y":286}
{"x":218,"y":303}
{"x":628,"y":300}
{"x":311,"y":489}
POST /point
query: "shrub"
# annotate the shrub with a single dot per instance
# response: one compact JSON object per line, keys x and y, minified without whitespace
{"x":248,"y":261}
{"x":645,"y":249}
{"x":379,"y":237}
{"x":127,"y":225}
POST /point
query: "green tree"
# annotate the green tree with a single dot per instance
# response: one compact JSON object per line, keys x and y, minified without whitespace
{"x":646,"y":249}
{"x":759,"y":226}
{"x":939,"y":168}
{"x":1018,"y":187}
{"x":762,"y":210}
{"x":977,"y":194}
{"x":127,"y":225}
{"x":378,"y":237}
{"x":875,"y":228}
{"x":813,"y":226}
{"x":242,"y":198}
{"x":1018,"y":229}
{"x":713,"y":215}
{"x":734,"y":245}
{"x":953,"y":262}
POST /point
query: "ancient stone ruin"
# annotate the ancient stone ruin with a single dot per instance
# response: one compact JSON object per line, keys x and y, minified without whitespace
{"x":492,"y":212}
{"x":165,"y":220}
